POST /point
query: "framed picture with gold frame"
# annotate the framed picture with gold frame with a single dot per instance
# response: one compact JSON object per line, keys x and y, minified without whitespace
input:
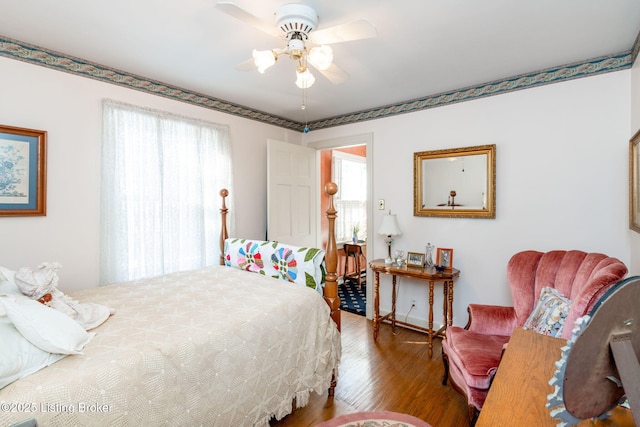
{"x":415,"y":259}
{"x":634,"y":180}
{"x":23,"y":178}
{"x":444,"y":258}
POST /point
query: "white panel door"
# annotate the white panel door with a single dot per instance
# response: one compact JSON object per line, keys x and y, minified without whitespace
{"x":292,"y":194}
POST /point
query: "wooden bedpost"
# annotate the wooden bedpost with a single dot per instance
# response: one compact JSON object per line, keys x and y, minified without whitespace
{"x":331,"y":258}
{"x":224,"y":234}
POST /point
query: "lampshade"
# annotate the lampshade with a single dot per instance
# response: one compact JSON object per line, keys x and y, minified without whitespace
{"x":305,"y":79}
{"x":263,"y":59}
{"x":321,"y":57}
{"x":389,"y":226}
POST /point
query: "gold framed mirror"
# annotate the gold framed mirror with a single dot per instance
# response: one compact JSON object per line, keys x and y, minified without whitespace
{"x":634,"y":179}
{"x":455,"y":183}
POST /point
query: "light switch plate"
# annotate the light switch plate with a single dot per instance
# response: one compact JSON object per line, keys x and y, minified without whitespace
{"x":381,"y":204}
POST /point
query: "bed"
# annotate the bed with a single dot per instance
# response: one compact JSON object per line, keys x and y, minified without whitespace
{"x":217,"y":346}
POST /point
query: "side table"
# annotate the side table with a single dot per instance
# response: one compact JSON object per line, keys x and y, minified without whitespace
{"x":429,"y":275}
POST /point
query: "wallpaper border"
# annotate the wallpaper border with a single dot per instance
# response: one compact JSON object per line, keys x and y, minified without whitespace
{"x":44,"y":57}
{"x":58,"y":61}
{"x":592,"y":67}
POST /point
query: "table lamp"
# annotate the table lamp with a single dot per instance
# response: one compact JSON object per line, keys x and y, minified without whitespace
{"x":389,"y":228}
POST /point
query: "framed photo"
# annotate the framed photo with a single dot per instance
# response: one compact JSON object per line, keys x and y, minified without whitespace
{"x":634,"y":180}
{"x":23,"y":180}
{"x":415,"y":259}
{"x":444,"y":258}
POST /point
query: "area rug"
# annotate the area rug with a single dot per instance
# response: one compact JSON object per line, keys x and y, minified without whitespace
{"x":374,"y":419}
{"x":353,"y":299}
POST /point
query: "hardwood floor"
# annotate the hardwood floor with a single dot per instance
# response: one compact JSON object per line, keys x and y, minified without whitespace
{"x":390,"y":374}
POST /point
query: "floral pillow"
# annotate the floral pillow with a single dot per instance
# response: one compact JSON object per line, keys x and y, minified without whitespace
{"x":549,"y":314}
{"x":277,"y":260}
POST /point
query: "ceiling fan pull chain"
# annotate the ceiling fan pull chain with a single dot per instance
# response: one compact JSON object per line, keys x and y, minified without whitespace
{"x":304,"y":99}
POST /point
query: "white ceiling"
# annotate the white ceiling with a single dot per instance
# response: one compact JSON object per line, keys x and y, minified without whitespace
{"x":424,"y":47}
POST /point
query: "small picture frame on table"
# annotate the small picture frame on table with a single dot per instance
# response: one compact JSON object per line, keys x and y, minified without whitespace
{"x":444,"y":258}
{"x":415,"y":259}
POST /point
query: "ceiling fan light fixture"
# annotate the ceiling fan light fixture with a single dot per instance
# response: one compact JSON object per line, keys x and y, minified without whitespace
{"x":304,"y":79}
{"x":296,"y":48}
{"x":264,"y":59}
{"x":297,"y":24}
{"x":296,"y":18}
{"x":321,"y":57}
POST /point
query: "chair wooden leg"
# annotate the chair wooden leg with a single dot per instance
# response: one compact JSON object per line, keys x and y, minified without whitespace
{"x":445,"y":362}
{"x":332,"y":387}
{"x":473,"y":415}
{"x":344,"y":274}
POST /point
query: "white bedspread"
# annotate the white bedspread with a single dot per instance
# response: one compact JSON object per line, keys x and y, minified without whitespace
{"x":217,"y":346}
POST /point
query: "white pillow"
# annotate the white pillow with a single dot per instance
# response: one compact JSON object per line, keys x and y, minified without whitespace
{"x":7,"y":282}
{"x":46,"y":328}
{"x":18,"y":357}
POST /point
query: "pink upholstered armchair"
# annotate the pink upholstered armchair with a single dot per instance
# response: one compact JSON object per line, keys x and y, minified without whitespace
{"x":471,"y":354}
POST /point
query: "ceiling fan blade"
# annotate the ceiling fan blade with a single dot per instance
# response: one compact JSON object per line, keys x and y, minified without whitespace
{"x":248,"y":65}
{"x":355,"y":30}
{"x":237,"y":12}
{"x":335,"y":74}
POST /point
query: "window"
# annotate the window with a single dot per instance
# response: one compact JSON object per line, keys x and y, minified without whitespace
{"x":161,"y":175}
{"x":350,"y":173}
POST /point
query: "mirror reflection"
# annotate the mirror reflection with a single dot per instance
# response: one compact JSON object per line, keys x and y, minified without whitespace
{"x":457,"y":182}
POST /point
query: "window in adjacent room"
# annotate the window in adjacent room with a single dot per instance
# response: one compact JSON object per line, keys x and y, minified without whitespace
{"x":350,"y":173}
{"x":161,"y":175}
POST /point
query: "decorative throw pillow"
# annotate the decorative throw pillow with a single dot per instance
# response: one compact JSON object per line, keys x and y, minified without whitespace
{"x":549,"y":314}
{"x":278,"y":260}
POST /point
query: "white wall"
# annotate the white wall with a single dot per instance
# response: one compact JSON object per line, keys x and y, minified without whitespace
{"x":561,"y":181}
{"x":69,"y":108}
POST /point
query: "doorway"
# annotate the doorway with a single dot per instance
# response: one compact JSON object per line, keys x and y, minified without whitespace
{"x":347,"y":161}
{"x":348,"y":169}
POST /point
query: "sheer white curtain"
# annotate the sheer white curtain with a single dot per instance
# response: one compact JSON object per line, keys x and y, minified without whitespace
{"x":161,"y":177}
{"x":350,"y":173}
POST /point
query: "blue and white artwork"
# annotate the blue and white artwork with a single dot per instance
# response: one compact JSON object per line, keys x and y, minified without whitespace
{"x":14,"y":171}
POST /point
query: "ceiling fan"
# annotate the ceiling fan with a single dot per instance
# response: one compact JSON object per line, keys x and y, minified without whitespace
{"x":296,"y":24}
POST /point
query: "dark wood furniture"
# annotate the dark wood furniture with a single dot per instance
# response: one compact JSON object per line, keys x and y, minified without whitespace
{"x":356,"y":253}
{"x":518,"y":394}
{"x":429,"y":275}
